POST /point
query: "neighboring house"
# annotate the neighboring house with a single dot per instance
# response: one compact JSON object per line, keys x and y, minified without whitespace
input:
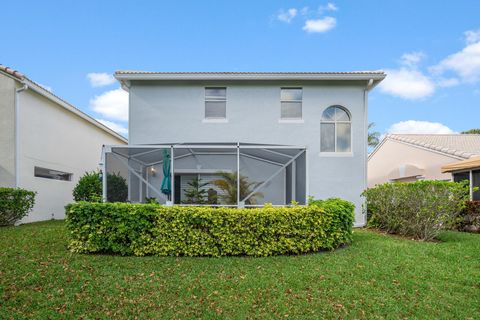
{"x":296,"y":134}
{"x":466,"y":170}
{"x":410,"y":157}
{"x":46,"y":144}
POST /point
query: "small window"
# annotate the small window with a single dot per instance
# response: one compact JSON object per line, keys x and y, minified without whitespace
{"x":215,"y":103}
{"x":335,"y":130}
{"x":291,"y":103}
{"x":52,"y":174}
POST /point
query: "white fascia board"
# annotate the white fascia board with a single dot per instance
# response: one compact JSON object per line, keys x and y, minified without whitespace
{"x":287,"y":76}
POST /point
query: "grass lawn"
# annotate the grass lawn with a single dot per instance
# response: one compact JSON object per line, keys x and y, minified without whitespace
{"x":377,"y":276}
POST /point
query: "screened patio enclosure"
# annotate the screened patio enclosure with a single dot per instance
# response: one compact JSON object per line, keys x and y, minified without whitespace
{"x":220,"y":174}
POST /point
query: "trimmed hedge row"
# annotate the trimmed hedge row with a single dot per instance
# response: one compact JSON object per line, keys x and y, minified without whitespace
{"x":149,"y":229}
{"x":15,"y":203}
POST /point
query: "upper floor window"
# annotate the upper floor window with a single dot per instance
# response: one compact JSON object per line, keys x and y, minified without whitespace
{"x":52,"y":174}
{"x":291,"y":103}
{"x":336,"y":130}
{"x":215,"y":103}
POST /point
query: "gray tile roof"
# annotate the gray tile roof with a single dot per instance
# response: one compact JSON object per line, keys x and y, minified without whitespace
{"x":460,"y":145}
{"x":249,"y":73}
{"x":377,"y":76}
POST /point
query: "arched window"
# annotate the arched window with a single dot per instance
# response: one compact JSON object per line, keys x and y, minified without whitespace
{"x":336,"y":130}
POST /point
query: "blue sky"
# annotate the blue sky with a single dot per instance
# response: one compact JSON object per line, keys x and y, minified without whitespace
{"x":430,"y":49}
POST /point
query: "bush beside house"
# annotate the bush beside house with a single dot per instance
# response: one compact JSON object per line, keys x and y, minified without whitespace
{"x":469,"y":219}
{"x":15,"y":203}
{"x":149,"y":229}
{"x":89,"y":188}
{"x":419,"y":210}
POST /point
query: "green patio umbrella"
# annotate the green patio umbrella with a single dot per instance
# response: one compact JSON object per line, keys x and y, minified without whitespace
{"x":167,"y":179}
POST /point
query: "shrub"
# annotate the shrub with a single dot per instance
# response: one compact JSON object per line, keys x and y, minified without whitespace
{"x":469,"y":219}
{"x":149,"y":229}
{"x":117,"y":188}
{"x":419,"y":210}
{"x":15,"y":203}
{"x":89,"y":188}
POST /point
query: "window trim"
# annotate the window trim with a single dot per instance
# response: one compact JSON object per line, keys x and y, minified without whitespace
{"x":335,"y":152}
{"x":214,"y":119}
{"x":291,"y":120}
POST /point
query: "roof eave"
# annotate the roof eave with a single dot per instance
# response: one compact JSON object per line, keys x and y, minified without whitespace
{"x":377,"y":76}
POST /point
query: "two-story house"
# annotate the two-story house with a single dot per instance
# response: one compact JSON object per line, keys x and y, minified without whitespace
{"x":290,"y":134}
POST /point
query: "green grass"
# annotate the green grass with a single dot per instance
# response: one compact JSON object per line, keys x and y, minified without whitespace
{"x":378,"y":276}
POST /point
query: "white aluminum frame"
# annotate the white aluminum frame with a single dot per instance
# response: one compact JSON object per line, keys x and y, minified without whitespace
{"x":238,"y":153}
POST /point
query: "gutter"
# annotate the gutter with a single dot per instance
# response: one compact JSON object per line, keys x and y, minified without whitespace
{"x":17,"y":132}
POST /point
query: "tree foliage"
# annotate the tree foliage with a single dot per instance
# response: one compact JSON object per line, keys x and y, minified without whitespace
{"x":373,"y":136}
{"x":471,"y":131}
{"x":228,"y":184}
{"x":195,"y":193}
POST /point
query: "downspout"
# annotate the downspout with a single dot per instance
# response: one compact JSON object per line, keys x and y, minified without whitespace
{"x":365,"y":128}
{"x":17,"y":133}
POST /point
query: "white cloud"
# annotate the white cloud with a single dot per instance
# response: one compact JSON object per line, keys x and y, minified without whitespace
{"x":412,"y":59}
{"x":328,"y":7}
{"x":320,"y":25}
{"x":472,"y":36}
{"x":407,"y":83}
{"x":304,"y":11}
{"x":112,"y":104}
{"x":465,"y":63}
{"x":419,"y":127}
{"x":100,"y":79}
{"x":287,"y":16}
{"x":447,"y":82}
{"x":114,"y":126}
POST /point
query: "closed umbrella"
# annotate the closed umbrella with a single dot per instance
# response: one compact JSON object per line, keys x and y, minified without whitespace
{"x":167,"y":179}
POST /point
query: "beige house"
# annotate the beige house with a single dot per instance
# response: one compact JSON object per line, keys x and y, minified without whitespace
{"x":46,"y":144}
{"x":410,"y":157}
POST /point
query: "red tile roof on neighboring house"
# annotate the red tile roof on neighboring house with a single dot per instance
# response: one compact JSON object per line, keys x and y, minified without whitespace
{"x":11,"y":72}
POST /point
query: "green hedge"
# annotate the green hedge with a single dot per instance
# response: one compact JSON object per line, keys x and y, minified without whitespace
{"x":149,"y":229}
{"x":420,"y":209}
{"x":15,"y":203}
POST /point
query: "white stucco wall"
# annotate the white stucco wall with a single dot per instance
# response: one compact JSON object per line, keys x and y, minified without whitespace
{"x":7,"y":131}
{"x":168,"y":112}
{"x":394,"y":154}
{"x":55,"y":138}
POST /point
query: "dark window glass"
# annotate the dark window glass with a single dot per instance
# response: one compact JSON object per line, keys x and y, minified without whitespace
{"x":52,"y":174}
{"x":460,"y":176}
{"x":476,"y":183}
